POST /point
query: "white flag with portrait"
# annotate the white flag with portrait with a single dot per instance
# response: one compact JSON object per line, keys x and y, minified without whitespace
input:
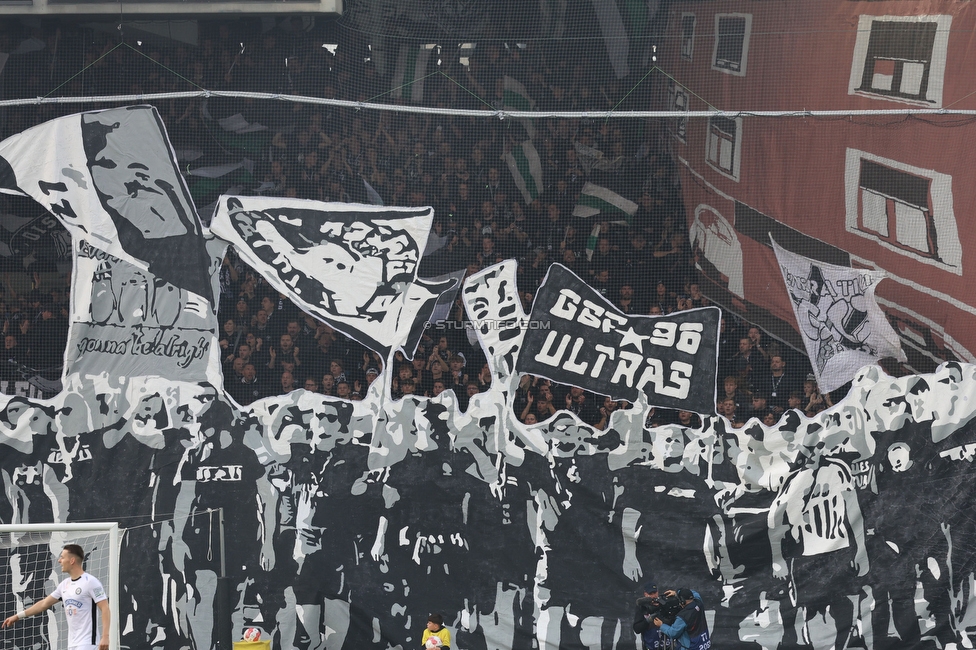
{"x":842,"y":325}
{"x":354,"y":266}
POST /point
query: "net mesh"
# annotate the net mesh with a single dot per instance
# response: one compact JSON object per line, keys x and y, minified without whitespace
{"x":31,"y":573}
{"x":415,"y":108}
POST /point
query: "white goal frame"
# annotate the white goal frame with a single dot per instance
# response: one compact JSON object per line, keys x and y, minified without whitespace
{"x":113,"y":560}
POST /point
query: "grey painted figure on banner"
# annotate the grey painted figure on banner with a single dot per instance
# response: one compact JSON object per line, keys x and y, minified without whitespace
{"x":353,"y":520}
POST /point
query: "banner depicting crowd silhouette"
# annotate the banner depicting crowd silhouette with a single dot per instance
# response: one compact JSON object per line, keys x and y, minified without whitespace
{"x":348,"y":522}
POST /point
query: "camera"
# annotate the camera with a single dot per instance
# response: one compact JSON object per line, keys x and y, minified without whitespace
{"x":666,"y":608}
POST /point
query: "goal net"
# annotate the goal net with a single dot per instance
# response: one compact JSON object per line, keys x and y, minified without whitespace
{"x":29,"y":572}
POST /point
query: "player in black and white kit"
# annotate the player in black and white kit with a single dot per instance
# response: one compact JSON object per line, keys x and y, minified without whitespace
{"x":80,"y":594}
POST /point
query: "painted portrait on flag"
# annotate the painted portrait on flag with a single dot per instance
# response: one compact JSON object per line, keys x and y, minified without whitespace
{"x":352,"y":520}
{"x":138,"y":243}
{"x":836,"y":311}
{"x":354,"y":266}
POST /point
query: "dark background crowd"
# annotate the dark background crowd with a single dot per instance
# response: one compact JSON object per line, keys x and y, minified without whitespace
{"x":454,"y":163}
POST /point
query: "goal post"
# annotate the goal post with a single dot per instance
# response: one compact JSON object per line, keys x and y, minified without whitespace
{"x":29,"y":572}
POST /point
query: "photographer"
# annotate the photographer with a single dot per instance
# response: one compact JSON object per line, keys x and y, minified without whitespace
{"x":689,"y":628}
{"x":652,"y":607}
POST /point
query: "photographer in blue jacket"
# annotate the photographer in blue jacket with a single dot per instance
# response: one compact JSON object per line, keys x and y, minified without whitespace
{"x":690,"y":628}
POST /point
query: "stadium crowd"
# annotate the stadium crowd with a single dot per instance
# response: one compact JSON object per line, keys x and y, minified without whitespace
{"x":642,"y":264}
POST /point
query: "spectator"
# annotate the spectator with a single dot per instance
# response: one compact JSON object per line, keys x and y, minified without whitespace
{"x":744,"y":361}
{"x":606,"y":411}
{"x":755,"y":335}
{"x":540,"y":405}
{"x":248,"y":388}
{"x":230,"y":339}
{"x":662,"y":298}
{"x":627,"y":303}
{"x":814,"y":401}
{"x":327,"y":385}
{"x":287,"y":382}
{"x":731,"y":390}
{"x":458,"y":378}
{"x":13,"y":358}
{"x":776,"y":382}
{"x":437,"y":388}
{"x":690,"y":628}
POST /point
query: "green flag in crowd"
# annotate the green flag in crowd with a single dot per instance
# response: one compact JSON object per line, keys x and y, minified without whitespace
{"x":516,"y":98}
{"x":411,"y":69}
{"x":594,"y":200}
{"x":523,"y":161}
{"x":591,"y":242}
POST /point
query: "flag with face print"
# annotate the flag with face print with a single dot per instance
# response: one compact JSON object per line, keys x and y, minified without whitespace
{"x":842,"y":324}
{"x":354,"y":266}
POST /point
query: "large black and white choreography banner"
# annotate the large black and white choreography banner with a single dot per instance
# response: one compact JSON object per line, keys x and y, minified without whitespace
{"x":577,"y":337}
{"x":351,"y":521}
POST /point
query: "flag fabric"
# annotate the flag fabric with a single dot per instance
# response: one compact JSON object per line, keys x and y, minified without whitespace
{"x":205,"y":190}
{"x":445,"y":303}
{"x":450,"y":284}
{"x":526,"y":168}
{"x":236,"y":132}
{"x":125,"y":155}
{"x":353,"y":266}
{"x":216,"y":171}
{"x":592,"y":159}
{"x":553,"y":18}
{"x":842,"y":325}
{"x":591,"y":242}
{"x":594,"y":200}
{"x":111,"y":177}
{"x":372,"y":194}
{"x":411,"y":69}
{"x":614,"y":35}
{"x":516,"y":98}
{"x":576,"y":337}
{"x":237,"y":123}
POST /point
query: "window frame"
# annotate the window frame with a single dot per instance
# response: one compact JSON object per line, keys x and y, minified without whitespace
{"x":687,"y":43}
{"x":744,"y":56}
{"x":678,"y":126}
{"x":937,"y":60}
{"x":942,"y":227}
{"x":736,"y":141}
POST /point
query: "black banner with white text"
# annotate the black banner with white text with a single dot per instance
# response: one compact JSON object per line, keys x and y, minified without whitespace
{"x":578,"y":338}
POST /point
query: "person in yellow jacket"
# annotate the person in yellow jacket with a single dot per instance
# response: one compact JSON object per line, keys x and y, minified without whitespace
{"x":436,"y":636}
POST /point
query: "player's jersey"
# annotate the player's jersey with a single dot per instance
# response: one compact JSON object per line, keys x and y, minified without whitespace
{"x":78,"y":597}
{"x":442,"y":635}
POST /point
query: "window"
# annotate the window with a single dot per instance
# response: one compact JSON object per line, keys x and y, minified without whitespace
{"x":904,"y":208}
{"x":731,"y":43}
{"x":901,"y":58}
{"x":687,"y":35}
{"x":723,"y":143}
{"x":678,"y":101}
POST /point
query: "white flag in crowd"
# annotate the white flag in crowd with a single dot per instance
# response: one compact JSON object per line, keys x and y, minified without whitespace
{"x":371,"y":193}
{"x":592,"y":158}
{"x":354,"y":266}
{"x":842,"y":325}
